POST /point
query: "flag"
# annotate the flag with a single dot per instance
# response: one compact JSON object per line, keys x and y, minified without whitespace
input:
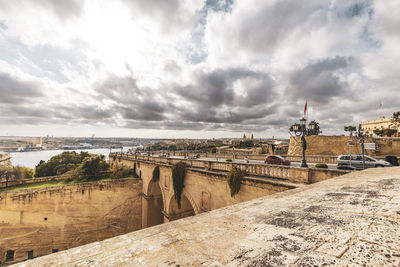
{"x":305,"y":109}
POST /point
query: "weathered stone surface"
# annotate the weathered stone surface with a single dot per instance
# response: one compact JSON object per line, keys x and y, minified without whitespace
{"x":336,"y":145}
{"x":346,"y":221}
{"x":64,"y":217}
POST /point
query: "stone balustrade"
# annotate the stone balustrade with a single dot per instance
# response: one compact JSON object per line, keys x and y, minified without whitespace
{"x":293,"y":174}
{"x":295,"y":158}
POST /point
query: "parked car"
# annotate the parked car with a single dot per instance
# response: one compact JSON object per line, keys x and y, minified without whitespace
{"x":392,"y":160}
{"x":279,"y":160}
{"x":355,"y":162}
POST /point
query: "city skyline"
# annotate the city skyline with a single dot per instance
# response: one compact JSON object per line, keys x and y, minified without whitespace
{"x":195,"y":69}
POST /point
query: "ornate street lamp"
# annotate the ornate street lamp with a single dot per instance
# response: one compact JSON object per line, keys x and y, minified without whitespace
{"x":301,"y":130}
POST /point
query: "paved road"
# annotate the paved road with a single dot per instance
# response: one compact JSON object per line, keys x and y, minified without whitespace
{"x":294,"y":164}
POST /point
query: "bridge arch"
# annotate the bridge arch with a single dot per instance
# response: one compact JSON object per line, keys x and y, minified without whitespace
{"x":188,"y":207}
{"x":153,"y":203}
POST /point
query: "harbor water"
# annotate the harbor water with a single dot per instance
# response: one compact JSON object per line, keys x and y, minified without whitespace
{"x":32,"y":158}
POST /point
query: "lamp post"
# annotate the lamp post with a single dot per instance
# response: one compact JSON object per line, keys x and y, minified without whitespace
{"x":302,"y":130}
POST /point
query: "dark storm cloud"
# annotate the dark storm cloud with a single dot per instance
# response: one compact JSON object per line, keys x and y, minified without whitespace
{"x":318,"y":81}
{"x":234,"y":116}
{"x":123,"y":90}
{"x":60,"y":113}
{"x":131,"y":101}
{"x":209,"y":100}
{"x":16,"y":91}
{"x":166,"y":125}
{"x":216,"y":88}
{"x":147,"y":110}
{"x":213,"y":99}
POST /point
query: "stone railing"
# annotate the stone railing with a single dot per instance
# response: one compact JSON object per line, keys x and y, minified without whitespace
{"x":314,"y":158}
{"x":293,"y":174}
{"x":296,"y":158}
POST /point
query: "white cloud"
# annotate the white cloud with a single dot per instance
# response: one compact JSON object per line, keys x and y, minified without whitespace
{"x":211,"y":65}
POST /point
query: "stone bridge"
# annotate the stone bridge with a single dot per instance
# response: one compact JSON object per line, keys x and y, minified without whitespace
{"x":205,"y":186}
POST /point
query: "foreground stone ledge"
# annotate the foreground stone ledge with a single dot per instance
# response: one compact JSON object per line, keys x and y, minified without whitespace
{"x":345,"y":221}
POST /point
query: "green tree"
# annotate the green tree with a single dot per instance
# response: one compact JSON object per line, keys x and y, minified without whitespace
{"x":385,"y":132}
{"x":62,"y":163}
{"x":93,"y":165}
{"x":10,"y":173}
{"x":396,"y":120}
{"x":350,"y":128}
{"x":396,"y":117}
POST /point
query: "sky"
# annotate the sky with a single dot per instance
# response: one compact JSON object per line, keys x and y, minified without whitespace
{"x":195,"y":68}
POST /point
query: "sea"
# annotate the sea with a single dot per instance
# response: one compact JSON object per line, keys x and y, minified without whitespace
{"x":32,"y":158}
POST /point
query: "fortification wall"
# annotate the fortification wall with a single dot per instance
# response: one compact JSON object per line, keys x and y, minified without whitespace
{"x":57,"y":218}
{"x":337,"y":145}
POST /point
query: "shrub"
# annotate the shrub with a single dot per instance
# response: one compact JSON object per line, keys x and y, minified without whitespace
{"x":228,"y":160}
{"x":93,"y":165}
{"x":178,"y":177}
{"x":15,"y":172}
{"x":121,"y":172}
{"x":321,"y":165}
{"x":234,"y":179}
{"x":156,"y":173}
{"x":60,"y":164}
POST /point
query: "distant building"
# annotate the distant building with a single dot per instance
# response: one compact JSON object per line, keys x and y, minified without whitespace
{"x":368,"y":127}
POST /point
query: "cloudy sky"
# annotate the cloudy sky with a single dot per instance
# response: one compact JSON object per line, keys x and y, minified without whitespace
{"x":195,"y":68}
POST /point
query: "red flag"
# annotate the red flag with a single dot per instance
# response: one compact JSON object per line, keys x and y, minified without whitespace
{"x":305,"y":109}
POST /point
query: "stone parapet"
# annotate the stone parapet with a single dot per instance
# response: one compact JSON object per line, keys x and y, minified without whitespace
{"x":292,"y":174}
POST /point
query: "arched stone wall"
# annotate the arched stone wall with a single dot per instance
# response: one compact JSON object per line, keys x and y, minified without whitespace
{"x":188,"y":207}
{"x":153,"y":205}
{"x":204,"y":191}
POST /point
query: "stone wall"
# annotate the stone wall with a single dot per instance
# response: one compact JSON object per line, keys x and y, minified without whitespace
{"x":57,"y":218}
{"x":337,"y":145}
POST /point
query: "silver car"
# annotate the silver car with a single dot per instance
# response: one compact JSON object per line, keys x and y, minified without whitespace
{"x":355,"y":162}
